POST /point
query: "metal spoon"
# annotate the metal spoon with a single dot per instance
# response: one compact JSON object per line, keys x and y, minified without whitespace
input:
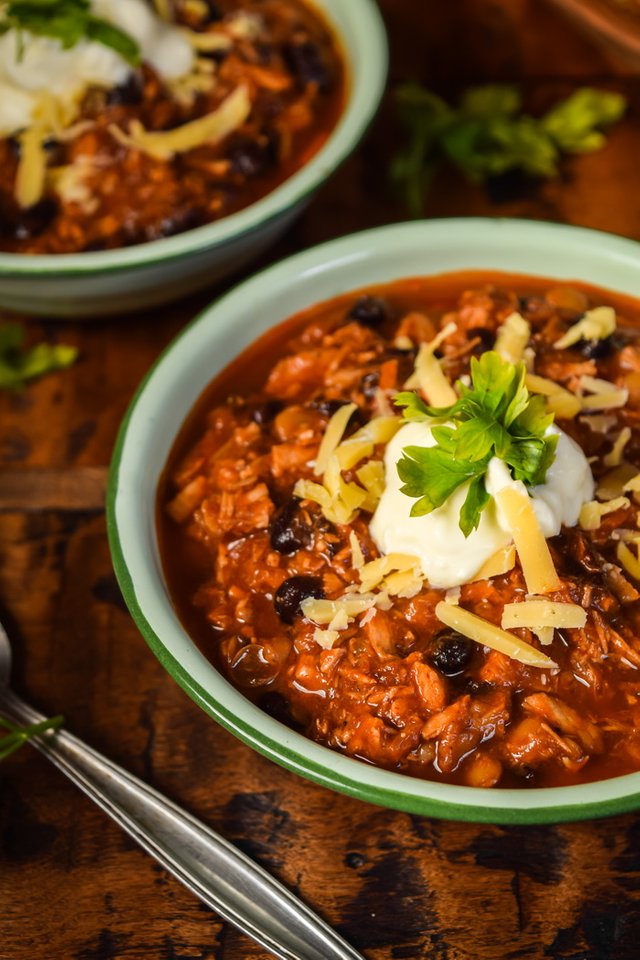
{"x":225,"y":879}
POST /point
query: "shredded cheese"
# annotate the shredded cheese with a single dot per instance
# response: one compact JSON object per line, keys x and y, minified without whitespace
{"x":599,"y":422}
{"x":561,"y":402}
{"x":374,"y":573}
{"x":513,"y":336}
{"x":32,"y":168}
{"x":357,"y":556}
{"x":208,"y":42}
{"x":614,"y":483}
{"x":213,"y":127}
{"x":592,"y":512}
{"x":361,"y":444}
{"x":544,"y":635}
{"x":629,"y":561}
{"x":332,"y":436}
{"x":532,"y":548}
{"x":371,"y":476}
{"x":596,"y":324}
{"x":430,"y":378}
{"x":325,"y":638}
{"x":534,"y":614}
{"x":602,"y":395}
{"x":487,"y":634}
{"x":500,"y":563}
{"x":614,"y":457}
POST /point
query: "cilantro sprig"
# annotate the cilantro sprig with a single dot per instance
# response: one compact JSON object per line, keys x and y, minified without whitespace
{"x":487,"y":134}
{"x":68,"y":21}
{"x":16,"y":736}
{"x":494,"y":417}
{"x":18,"y":365}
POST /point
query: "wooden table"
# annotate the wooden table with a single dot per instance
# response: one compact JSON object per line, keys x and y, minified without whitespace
{"x":72,"y":885}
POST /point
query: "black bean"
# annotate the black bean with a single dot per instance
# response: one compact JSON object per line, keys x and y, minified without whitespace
{"x":596,"y":349}
{"x":289,"y":532}
{"x":182,"y":220}
{"x":127,"y":94}
{"x":250,"y":157}
{"x":371,"y":311}
{"x":277,"y":707}
{"x":36,"y":219}
{"x":487,"y":337}
{"x":451,"y":653}
{"x":369,"y":384}
{"x":214,"y":13}
{"x":308,"y":64}
{"x":327,"y":408}
{"x":265,"y":412}
{"x":292,"y":592}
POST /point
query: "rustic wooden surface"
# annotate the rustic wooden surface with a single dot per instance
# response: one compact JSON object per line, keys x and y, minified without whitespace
{"x":72,"y":885}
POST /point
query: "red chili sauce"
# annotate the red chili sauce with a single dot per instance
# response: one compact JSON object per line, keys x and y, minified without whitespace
{"x":400,"y":691}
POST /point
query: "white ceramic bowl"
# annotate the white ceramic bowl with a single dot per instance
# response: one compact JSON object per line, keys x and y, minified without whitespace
{"x":87,"y":285}
{"x":212,"y":341}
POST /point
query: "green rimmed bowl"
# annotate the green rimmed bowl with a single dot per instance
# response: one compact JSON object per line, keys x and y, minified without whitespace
{"x":214,"y":339}
{"x":87,"y":285}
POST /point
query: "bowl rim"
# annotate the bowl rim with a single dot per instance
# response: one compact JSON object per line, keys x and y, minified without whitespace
{"x":365,"y":86}
{"x":269,"y":737}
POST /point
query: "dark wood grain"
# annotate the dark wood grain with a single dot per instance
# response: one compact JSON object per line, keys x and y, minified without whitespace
{"x":72,"y":886}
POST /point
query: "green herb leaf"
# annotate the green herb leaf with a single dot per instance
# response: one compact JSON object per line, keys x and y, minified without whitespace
{"x":487,"y":134}
{"x":476,"y":500}
{"x":494,"y":417}
{"x":17,"y":736}
{"x":432,"y":475}
{"x":17,"y":366}
{"x":68,"y":21}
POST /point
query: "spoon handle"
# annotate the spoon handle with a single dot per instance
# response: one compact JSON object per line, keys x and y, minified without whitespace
{"x":220,"y":875}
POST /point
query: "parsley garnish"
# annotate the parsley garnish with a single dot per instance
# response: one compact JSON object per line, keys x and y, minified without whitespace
{"x":67,"y":21}
{"x":17,"y":736}
{"x":18,"y":365}
{"x":487,"y":134}
{"x":494,"y":417}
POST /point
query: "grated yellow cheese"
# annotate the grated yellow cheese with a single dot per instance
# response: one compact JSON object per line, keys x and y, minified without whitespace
{"x":633,"y":484}
{"x":592,"y":512}
{"x":534,"y":614}
{"x":32,"y":168}
{"x":371,"y":476}
{"x":373,"y":573}
{"x":602,"y":395}
{"x":532,"y":548}
{"x":208,"y":42}
{"x":513,"y":336}
{"x":544,"y":635}
{"x":599,"y":422}
{"x":628,"y":560}
{"x":500,"y":563}
{"x":614,"y":457}
{"x":332,"y":436}
{"x":559,"y":401}
{"x":323,"y":612}
{"x":404,"y":584}
{"x":614,"y":483}
{"x":357,"y":556}
{"x":362,"y":443}
{"x":487,"y":634}
{"x":325,"y":638}
{"x":212,"y":128}
{"x":596,"y":324}
{"x":428,"y":375}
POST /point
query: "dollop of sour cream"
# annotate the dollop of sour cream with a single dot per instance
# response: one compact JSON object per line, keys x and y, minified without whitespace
{"x":448,"y":559}
{"x":31,"y":65}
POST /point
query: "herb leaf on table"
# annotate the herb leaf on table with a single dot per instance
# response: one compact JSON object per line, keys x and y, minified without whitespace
{"x":488,"y":134}
{"x":16,"y":736}
{"x":18,"y":365}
